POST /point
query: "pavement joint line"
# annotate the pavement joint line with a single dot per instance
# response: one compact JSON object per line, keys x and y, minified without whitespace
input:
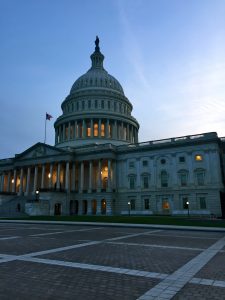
{"x":193,"y":266}
{"x":156,"y":246}
{"x":9,"y":238}
{"x":184,"y":236}
{"x":129,"y":235}
{"x":66,"y":231}
{"x":209,"y":282}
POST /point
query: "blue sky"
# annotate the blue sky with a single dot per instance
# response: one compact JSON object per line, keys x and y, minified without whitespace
{"x":169,"y":56}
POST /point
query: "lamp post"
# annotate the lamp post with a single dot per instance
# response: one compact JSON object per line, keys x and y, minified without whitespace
{"x":188,"y":208}
{"x":128,"y":207}
{"x":37,"y":194}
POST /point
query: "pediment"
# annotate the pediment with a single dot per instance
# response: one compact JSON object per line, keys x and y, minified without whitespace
{"x":39,"y":150}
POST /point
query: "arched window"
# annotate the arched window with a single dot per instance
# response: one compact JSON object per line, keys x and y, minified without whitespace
{"x":132,"y":181}
{"x":183,"y":177}
{"x":164,"y":179}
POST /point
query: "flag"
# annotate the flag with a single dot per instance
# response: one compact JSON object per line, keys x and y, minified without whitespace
{"x":48,"y":117}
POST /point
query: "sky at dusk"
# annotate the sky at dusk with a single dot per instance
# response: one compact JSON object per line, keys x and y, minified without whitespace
{"x":169,"y":56}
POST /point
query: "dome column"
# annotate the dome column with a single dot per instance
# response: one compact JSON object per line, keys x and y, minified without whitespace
{"x":83,"y":128}
{"x":107,"y":128}
{"x":69,"y":132}
{"x":21,"y":182}
{"x":90,"y":177}
{"x":92,"y":128}
{"x":99,"y":127}
{"x":75,"y":130}
{"x":81,"y":177}
{"x":14,"y":181}
{"x":28,"y":181}
{"x":99,"y":187}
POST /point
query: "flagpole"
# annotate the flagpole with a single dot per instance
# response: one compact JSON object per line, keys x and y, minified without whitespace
{"x":45,"y":129}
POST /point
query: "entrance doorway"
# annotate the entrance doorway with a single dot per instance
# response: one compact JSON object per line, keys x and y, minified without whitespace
{"x":74,"y":206}
{"x":58,"y":209}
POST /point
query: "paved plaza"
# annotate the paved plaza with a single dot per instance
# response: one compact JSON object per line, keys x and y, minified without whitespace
{"x":43,"y":261}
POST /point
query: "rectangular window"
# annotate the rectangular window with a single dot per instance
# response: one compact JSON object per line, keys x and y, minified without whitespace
{"x":109,"y":106}
{"x":131,"y":164}
{"x":200,"y":178}
{"x":114,"y":106}
{"x":102,"y":129}
{"x":147,"y":204}
{"x":145,"y":182}
{"x":95,"y":129}
{"x":202,"y":203}
{"x":183,"y":179}
{"x":102,"y":104}
{"x":132,"y":183}
{"x":96,"y":103}
{"x":181,"y":159}
{"x":89,"y":103}
{"x":82,"y":104}
{"x":145,"y":163}
{"x":77,"y":105}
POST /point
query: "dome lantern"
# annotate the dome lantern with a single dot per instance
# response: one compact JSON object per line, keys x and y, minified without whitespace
{"x":97,"y":57}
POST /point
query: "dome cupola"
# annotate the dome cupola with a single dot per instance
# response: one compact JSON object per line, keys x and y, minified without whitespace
{"x":96,"y":110}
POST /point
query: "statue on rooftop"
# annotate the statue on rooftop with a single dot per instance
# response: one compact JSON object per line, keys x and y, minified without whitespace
{"x":97,"y":43}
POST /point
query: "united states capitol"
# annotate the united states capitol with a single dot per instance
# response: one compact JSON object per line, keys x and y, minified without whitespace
{"x":98,"y":166}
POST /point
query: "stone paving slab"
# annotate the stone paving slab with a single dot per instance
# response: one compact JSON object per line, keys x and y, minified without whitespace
{"x":25,"y":281}
{"x":126,"y":256}
{"x":200,"y":292}
{"x":215,"y":268}
{"x":31,"y":244}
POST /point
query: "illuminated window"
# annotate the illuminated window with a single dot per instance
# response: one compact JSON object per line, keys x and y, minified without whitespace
{"x":102,"y":129}
{"x":198,"y":157}
{"x":88,"y":131}
{"x":165,"y":204}
{"x":96,"y":129}
{"x":110,"y":131}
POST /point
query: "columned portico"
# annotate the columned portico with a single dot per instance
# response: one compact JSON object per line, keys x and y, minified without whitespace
{"x":35,"y":179}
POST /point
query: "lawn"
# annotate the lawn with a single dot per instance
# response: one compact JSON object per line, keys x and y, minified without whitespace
{"x":162,"y":220}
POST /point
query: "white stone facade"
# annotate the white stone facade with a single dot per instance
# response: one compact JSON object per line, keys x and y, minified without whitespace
{"x":97,"y":166}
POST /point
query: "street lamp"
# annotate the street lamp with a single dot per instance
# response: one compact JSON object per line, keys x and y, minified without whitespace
{"x":188,"y":207}
{"x":37,"y":194}
{"x":128,"y":207}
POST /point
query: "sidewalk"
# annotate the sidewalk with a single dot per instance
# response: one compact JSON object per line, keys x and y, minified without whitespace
{"x":129,"y":225}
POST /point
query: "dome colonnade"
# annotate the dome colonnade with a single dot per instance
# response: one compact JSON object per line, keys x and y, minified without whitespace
{"x":96,"y":110}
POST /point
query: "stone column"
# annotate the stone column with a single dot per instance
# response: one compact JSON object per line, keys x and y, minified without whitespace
{"x":21,"y":182}
{"x":114,"y":174}
{"x":8,"y":182}
{"x":58,"y":176}
{"x":75,"y":130}
{"x":35,"y":179}
{"x":67,"y":185}
{"x":128,"y":136}
{"x":50,"y":178}
{"x":28,"y":181}
{"x":69,"y":130}
{"x":99,"y":187}
{"x":74,"y":177}
{"x":92,"y":128}
{"x":122,"y":131}
{"x":90,"y":177}
{"x":56,"y":135}
{"x":43,"y":177}
{"x":107,"y":129}
{"x":63,"y":132}
{"x":14,"y":181}
{"x":109,"y":187}
{"x":115,"y":130}
{"x":84,"y":128}
{"x":81,"y":187}
{"x":99,"y":127}
{"x":132,"y":134}
{"x":98,"y":208}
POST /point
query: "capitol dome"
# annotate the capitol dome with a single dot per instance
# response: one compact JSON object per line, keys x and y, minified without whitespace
{"x":96,"y":110}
